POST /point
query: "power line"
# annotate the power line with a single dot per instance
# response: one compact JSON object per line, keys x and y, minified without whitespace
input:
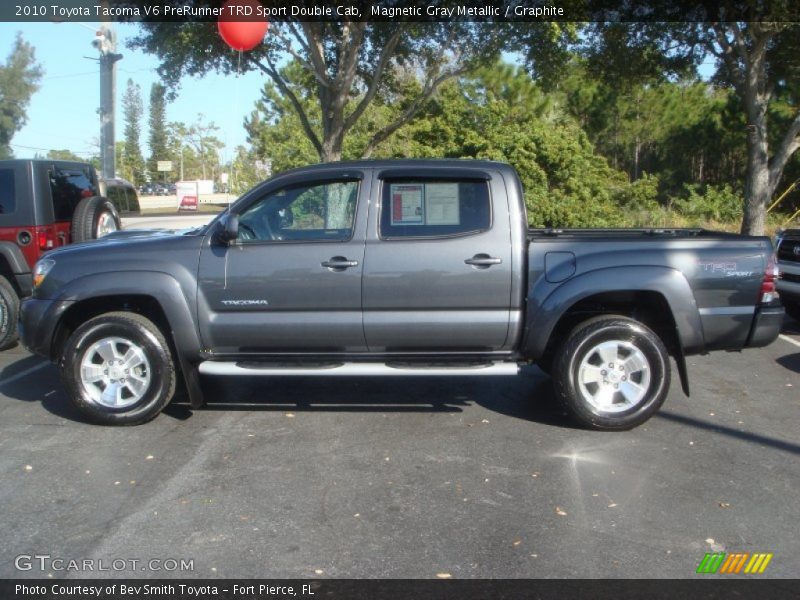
{"x":89,"y":152}
{"x":70,"y":75}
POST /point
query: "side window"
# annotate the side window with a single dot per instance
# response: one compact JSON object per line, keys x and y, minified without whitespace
{"x":323,"y":211}
{"x":116,"y":194}
{"x":430,"y":208}
{"x":8,"y":202}
{"x":69,"y":186}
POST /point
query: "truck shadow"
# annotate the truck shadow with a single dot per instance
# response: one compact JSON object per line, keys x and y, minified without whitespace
{"x":790,"y":361}
{"x":528,"y":397}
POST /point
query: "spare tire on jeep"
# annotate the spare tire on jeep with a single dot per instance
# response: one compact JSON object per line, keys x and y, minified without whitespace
{"x":93,"y":218}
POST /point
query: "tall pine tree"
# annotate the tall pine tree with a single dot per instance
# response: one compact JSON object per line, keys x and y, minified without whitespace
{"x":19,"y":79}
{"x":132,"y":163}
{"x":157,"y":136}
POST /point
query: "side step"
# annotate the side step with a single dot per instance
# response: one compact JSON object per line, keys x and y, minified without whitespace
{"x":211,"y":367}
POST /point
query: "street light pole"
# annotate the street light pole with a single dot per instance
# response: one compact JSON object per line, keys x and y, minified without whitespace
{"x":106,"y":43}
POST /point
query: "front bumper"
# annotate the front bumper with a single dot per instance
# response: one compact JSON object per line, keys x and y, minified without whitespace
{"x":767,"y":325}
{"x":37,"y":324}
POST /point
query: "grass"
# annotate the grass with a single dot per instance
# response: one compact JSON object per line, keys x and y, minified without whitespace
{"x":201,"y":209}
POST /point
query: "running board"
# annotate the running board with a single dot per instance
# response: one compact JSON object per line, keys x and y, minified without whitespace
{"x":210,"y":367}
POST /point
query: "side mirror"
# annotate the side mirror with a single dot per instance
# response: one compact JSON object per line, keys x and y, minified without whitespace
{"x":228,"y":228}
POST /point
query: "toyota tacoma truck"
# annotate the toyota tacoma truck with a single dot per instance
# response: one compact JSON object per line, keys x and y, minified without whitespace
{"x":395,"y":268}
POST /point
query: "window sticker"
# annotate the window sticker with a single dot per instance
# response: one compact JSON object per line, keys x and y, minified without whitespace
{"x":408,"y":207}
{"x":441,"y":204}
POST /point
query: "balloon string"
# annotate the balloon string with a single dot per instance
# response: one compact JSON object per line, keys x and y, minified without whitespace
{"x":235,"y":116}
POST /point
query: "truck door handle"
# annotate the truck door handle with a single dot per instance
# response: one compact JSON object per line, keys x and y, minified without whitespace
{"x":483,"y":261}
{"x":339,"y":263}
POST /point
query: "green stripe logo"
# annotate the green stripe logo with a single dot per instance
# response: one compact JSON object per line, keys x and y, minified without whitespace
{"x":733,"y":563}
{"x":711,"y":562}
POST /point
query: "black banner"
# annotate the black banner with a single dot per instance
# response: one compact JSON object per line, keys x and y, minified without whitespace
{"x":400,"y":10}
{"x":397,"y":589}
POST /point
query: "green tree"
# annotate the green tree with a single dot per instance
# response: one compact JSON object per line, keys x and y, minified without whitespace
{"x":206,"y":146}
{"x":132,"y":165}
{"x":243,"y":171}
{"x":19,"y":80}
{"x":195,"y":148}
{"x":498,"y":113}
{"x":343,"y":60}
{"x":758,"y":60}
{"x":157,"y":133}
{"x":63,"y":155}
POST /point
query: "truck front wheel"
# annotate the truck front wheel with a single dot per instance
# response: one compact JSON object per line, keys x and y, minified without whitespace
{"x":118,"y":369}
{"x":611,"y":373}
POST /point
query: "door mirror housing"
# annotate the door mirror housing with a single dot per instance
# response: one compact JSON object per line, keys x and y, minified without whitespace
{"x":228,"y":229}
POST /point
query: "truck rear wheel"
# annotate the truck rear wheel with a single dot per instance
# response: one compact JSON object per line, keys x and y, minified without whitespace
{"x":9,"y":314}
{"x":118,"y":369}
{"x":611,"y":373}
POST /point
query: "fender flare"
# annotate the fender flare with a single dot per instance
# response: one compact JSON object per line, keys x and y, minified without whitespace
{"x":670,"y":283}
{"x":162,"y":287}
{"x":14,"y":257}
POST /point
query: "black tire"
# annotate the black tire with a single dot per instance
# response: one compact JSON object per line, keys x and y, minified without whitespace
{"x":137,"y":331}
{"x":792,"y":309}
{"x":9,"y":314}
{"x":88,"y":216}
{"x":618,"y":391}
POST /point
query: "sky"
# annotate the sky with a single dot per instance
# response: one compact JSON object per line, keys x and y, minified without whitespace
{"x":63,"y":113}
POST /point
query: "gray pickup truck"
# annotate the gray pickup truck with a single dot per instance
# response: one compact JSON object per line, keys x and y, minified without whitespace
{"x":397,"y":268}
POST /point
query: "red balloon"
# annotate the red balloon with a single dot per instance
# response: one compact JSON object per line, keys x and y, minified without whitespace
{"x":242,"y":35}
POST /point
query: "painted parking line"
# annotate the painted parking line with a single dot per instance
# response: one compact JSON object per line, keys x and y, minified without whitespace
{"x":24,"y":373}
{"x":786,"y":338}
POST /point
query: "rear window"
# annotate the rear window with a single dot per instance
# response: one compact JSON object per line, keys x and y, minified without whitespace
{"x":116,"y":194}
{"x":70,"y":185}
{"x":8,"y":202}
{"x":431,"y":208}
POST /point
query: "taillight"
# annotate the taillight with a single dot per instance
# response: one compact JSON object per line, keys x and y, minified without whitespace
{"x":768,"y":291}
{"x":45,"y":239}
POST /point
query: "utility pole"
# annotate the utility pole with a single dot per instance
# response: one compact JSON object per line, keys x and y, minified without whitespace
{"x":106,"y":43}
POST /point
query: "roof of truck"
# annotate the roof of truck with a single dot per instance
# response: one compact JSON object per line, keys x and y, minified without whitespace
{"x":389,"y":163}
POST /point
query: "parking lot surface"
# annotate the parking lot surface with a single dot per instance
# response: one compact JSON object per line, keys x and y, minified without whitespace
{"x":407,"y":478}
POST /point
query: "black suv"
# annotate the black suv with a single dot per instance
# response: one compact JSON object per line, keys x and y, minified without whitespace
{"x":45,"y":204}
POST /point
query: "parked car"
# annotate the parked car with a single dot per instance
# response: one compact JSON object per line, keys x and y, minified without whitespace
{"x":122,"y":194}
{"x":788,"y":244}
{"x":44,"y":204}
{"x":396,"y":268}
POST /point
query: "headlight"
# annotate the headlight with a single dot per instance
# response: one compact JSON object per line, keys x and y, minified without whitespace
{"x":41,"y":270}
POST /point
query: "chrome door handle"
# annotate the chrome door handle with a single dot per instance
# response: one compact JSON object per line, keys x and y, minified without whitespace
{"x":339,"y":263}
{"x":483,"y":260}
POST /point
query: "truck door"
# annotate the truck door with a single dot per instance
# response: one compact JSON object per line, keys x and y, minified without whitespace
{"x":291,"y":282}
{"x":438,"y":272}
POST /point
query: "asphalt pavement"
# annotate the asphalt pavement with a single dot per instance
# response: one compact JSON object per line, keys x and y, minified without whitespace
{"x":420,"y":478}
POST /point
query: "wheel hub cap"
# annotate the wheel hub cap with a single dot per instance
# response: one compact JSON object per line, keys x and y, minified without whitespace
{"x":105,"y":225}
{"x":115,"y":372}
{"x":614,"y":376}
